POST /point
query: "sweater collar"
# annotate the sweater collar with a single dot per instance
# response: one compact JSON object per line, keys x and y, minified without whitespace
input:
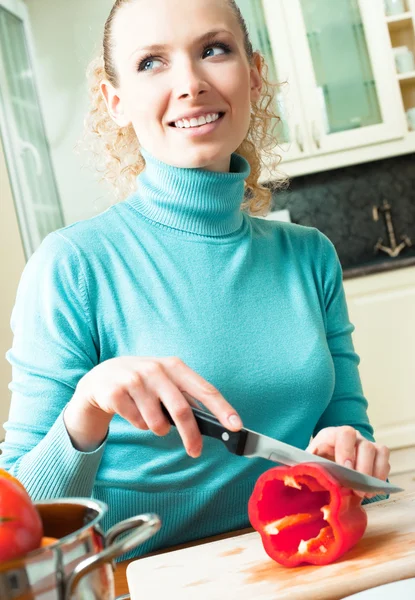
{"x":192,"y":200}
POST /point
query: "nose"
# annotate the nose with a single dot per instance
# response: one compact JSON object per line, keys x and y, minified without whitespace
{"x":189,"y":80}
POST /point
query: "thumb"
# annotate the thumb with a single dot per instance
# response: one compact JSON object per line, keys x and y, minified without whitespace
{"x":321,"y":449}
{"x":323,"y":442}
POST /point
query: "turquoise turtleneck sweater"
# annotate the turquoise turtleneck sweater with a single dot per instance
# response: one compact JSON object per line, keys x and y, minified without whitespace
{"x":255,"y":307}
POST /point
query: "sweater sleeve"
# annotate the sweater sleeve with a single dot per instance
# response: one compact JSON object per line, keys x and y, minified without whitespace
{"x":53,"y":347}
{"x":348,"y":405}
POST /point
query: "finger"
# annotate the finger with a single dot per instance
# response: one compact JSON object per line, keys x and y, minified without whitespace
{"x":324,"y":439}
{"x":180,"y":411}
{"x":188,"y":381}
{"x":192,"y":401}
{"x":324,"y":450}
{"x":381,"y":466}
{"x":149,"y":405}
{"x":365,"y":457}
{"x":127,"y":409}
{"x":183,"y":417}
{"x":151,"y":388}
{"x":345,"y":448}
{"x":141,"y":388}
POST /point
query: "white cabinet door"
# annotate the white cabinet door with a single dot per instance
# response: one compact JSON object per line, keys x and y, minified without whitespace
{"x":382,"y":308}
{"x":268,"y":32}
{"x":339,"y":96}
{"x":296,"y":143}
{"x":22,"y":130}
{"x":346,"y":73}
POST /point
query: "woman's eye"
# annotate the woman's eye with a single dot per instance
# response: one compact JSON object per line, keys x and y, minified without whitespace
{"x":225,"y":49}
{"x":145,"y":62}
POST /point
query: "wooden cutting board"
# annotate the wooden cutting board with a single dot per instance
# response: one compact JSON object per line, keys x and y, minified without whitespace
{"x":238,"y":568}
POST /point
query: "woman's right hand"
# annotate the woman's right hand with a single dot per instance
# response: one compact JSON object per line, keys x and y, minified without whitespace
{"x":133,"y":387}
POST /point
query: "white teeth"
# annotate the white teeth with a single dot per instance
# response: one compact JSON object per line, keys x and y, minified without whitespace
{"x":185,"y":123}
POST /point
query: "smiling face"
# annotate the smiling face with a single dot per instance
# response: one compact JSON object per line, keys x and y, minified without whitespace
{"x":193,"y":72}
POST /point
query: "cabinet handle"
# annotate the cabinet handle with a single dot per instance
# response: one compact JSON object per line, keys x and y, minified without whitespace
{"x":24,"y":145}
{"x":299,"y":138}
{"x":316,"y":134}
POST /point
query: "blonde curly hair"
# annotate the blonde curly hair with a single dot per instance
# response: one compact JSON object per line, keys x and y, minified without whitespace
{"x":115,"y":151}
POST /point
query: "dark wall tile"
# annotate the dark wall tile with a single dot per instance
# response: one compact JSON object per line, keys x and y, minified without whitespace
{"x":340,"y":204}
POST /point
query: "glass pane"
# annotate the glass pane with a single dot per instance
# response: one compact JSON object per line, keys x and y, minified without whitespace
{"x":253,"y":13}
{"x":28,"y":135}
{"x":336,"y":37}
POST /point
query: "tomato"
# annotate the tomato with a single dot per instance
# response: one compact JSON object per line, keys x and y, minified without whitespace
{"x":6,"y":475}
{"x":21,"y":527}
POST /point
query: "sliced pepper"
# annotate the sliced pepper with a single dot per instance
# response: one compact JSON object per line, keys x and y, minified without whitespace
{"x":304,"y":515}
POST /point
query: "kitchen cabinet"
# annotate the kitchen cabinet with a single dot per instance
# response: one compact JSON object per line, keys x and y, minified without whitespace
{"x":339,"y":95}
{"x":22,"y":131}
{"x":401,"y":28}
{"x":382,"y":308}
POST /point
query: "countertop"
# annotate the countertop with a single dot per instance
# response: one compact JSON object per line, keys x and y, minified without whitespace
{"x":381,"y":263}
{"x":121,"y":586}
{"x":120,"y":577}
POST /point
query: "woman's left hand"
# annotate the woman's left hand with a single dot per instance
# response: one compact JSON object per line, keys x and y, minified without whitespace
{"x":346,"y":446}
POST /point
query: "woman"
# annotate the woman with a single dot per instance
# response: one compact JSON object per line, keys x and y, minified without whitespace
{"x":177,"y":293}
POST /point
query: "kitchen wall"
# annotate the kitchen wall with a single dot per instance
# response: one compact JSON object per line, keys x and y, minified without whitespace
{"x":340,"y":202}
{"x":10,"y":271}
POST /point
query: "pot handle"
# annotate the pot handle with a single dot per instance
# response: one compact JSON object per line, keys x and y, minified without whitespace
{"x":145,"y":525}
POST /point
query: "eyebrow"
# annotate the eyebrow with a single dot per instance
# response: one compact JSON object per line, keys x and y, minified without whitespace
{"x":203,"y":38}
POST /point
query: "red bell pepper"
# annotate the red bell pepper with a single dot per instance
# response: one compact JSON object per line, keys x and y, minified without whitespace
{"x":304,"y":515}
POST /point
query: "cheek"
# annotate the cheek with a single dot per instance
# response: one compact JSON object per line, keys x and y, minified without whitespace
{"x":145,"y":102}
{"x":242,"y":103}
{"x":240,"y":91}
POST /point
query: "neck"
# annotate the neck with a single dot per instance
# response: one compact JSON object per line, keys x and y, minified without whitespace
{"x":196,"y":201}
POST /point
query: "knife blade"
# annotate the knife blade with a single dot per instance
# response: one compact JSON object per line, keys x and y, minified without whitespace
{"x":256,"y":445}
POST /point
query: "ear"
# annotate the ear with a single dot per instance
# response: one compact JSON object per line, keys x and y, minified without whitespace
{"x":256,"y":78}
{"x":114,"y":103}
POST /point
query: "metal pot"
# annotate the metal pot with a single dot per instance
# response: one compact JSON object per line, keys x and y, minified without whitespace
{"x":79,"y":565}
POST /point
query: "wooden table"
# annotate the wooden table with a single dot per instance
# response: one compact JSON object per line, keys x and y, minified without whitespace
{"x":121,"y":586}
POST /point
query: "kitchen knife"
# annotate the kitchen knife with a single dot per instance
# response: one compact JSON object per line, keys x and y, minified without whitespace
{"x":255,"y":445}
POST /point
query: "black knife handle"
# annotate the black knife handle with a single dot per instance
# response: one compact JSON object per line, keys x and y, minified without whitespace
{"x":210,"y":426}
